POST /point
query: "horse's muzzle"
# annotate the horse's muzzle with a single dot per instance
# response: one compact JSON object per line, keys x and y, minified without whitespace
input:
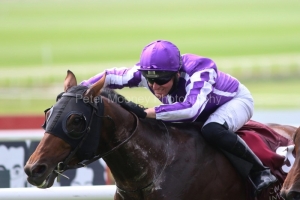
{"x":290,"y":195}
{"x":38,"y":175}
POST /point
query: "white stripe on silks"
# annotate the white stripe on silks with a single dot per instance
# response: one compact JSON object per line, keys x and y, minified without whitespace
{"x":201,"y":98}
{"x":120,"y":79}
{"x":188,"y":112}
{"x":130,"y":73}
{"x":114,"y":79}
{"x":222,"y":93}
{"x":178,"y":115}
{"x":196,"y":77}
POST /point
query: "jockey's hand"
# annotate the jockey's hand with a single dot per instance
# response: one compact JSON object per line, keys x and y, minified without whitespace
{"x":151,"y":113}
{"x":137,"y":109}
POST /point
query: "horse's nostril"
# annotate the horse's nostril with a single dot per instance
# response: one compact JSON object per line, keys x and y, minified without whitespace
{"x":27,"y":170}
{"x":283,"y":195}
{"x":38,"y":170}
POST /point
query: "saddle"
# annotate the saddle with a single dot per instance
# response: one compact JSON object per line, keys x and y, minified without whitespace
{"x":274,"y":150}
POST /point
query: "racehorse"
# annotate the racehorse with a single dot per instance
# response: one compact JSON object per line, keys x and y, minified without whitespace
{"x":149,"y":159}
{"x":291,"y":187}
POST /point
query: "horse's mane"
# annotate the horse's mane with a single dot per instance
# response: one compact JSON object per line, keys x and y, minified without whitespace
{"x":112,"y":95}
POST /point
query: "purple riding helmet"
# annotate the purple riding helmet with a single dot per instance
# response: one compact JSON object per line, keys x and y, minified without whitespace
{"x":160,"y":59}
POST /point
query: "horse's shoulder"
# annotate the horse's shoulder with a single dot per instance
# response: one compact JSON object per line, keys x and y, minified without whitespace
{"x":180,"y":127}
{"x":177,"y":131}
{"x":186,"y":126}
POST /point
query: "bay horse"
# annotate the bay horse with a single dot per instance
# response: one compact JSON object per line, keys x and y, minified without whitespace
{"x":149,"y":159}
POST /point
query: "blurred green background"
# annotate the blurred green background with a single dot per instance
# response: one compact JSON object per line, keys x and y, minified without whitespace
{"x":256,"y":41}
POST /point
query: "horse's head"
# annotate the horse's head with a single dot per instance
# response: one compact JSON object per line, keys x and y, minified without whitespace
{"x":291,"y":187}
{"x":71,"y":133}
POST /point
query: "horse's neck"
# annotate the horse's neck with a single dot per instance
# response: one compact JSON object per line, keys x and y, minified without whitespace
{"x":140,"y":159}
{"x":116,"y":127}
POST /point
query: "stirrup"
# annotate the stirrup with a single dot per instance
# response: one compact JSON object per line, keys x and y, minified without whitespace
{"x":266,"y":179}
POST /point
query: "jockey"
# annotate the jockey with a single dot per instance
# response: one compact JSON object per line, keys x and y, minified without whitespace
{"x":191,"y":88}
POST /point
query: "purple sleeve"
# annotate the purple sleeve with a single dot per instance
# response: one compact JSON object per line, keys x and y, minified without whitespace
{"x":118,"y":78}
{"x":92,"y":80}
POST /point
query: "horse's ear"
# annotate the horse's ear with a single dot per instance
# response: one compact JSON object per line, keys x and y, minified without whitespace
{"x":95,"y":89}
{"x":70,"y":80}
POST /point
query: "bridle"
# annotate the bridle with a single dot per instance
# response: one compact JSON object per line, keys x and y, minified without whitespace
{"x":63,"y":166}
{"x":86,"y":162}
{"x":96,"y":113}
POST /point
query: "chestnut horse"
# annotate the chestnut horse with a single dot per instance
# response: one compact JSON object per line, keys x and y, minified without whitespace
{"x":291,"y":187}
{"x":149,"y":159}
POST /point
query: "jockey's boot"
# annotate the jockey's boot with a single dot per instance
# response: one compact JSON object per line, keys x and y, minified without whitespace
{"x":220,"y":137}
{"x":260,"y":176}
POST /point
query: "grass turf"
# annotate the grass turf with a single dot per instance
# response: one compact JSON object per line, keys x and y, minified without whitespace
{"x":40,"y":40}
{"x":61,"y":32}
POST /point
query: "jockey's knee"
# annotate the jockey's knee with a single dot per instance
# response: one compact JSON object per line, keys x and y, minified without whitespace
{"x":215,"y":133}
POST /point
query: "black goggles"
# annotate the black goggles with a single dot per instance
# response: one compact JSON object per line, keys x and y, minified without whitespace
{"x":158,"y":77}
{"x":159,"y":81}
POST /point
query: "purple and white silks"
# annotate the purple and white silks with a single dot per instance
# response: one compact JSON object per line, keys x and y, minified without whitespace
{"x":201,"y":89}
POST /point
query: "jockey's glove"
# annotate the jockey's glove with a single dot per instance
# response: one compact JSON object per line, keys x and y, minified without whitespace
{"x":137,"y":109}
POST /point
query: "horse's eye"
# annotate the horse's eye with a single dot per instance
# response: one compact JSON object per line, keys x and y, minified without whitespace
{"x":76,"y":125}
{"x":77,"y":120}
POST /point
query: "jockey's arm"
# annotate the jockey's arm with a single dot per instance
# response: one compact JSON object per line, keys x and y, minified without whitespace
{"x":118,"y":78}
